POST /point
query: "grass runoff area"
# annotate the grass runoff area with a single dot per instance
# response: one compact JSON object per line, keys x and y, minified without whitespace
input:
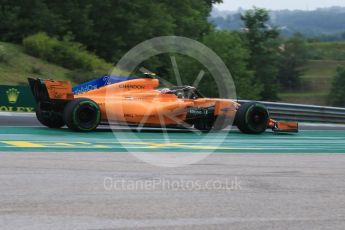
{"x":17,"y":66}
{"x":318,"y":74}
{"x":64,"y":140}
{"x":316,"y":83}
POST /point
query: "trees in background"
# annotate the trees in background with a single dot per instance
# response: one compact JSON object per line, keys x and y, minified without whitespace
{"x":68,"y":54}
{"x":232,"y":50}
{"x":293,"y":57}
{"x":20,"y":19}
{"x":326,"y":24}
{"x":337,"y":94}
{"x":109,"y":28}
{"x":262,"y":42}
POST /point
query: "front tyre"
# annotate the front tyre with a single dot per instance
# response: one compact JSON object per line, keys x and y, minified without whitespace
{"x":252,"y":118}
{"x":82,"y":114}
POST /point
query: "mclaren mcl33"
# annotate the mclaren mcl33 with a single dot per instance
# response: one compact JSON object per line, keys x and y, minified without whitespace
{"x":138,"y":101}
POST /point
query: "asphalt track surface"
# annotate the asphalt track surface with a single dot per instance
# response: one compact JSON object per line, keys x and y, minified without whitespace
{"x":58,"y":179}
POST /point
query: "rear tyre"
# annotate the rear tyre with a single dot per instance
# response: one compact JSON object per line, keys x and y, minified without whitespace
{"x":48,"y":117}
{"x":252,"y":118}
{"x":82,"y":114}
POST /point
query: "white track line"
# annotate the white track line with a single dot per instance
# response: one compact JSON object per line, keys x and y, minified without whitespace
{"x":16,"y":114}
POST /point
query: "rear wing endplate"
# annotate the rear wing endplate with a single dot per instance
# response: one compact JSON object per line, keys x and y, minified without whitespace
{"x":47,"y":90}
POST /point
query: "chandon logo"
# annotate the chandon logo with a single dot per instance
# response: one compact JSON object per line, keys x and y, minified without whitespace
{"x":132,"y":86}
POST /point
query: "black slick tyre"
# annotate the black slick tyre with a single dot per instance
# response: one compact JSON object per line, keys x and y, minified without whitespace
{"x":82,"y":114}
{"x":252,"y":118}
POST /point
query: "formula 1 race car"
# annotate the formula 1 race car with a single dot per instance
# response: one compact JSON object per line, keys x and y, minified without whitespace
{"x":137,"y":101}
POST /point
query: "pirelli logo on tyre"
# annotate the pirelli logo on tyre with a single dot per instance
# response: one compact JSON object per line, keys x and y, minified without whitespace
{"x":16,"y":99}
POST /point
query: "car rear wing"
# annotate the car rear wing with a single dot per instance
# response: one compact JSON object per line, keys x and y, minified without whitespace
{"x":49,"y":90}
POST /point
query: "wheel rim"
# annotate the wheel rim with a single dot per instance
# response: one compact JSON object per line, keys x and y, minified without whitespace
{"x":258,"y":119}
{"x":86,"y":116}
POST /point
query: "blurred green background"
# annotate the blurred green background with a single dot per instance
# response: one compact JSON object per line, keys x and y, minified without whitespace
{"x":289,"y":56}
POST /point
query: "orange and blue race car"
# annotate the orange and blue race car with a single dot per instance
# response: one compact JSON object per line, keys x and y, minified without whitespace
{"x":138,"y":101}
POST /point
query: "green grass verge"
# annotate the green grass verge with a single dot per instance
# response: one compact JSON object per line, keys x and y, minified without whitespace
{"x":321,"y":69}
{"x":327,"y":50}
{"x":16,"y":66}
{"x":312,"y":98}
{"x":316,"y":83}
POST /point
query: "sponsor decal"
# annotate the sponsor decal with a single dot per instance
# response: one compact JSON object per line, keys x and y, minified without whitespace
{"x":131,"y":86}
{"x":12,"y":95}
{"x":83,"y":89}
{"x":99,"y":83}
{"x":16,"y":99}
{"x":139,"y":115}
{"x":198,"y":111}
{"x":16,"y":109}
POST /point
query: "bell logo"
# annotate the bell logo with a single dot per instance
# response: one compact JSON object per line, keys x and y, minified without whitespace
{"x":12,"y":95}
